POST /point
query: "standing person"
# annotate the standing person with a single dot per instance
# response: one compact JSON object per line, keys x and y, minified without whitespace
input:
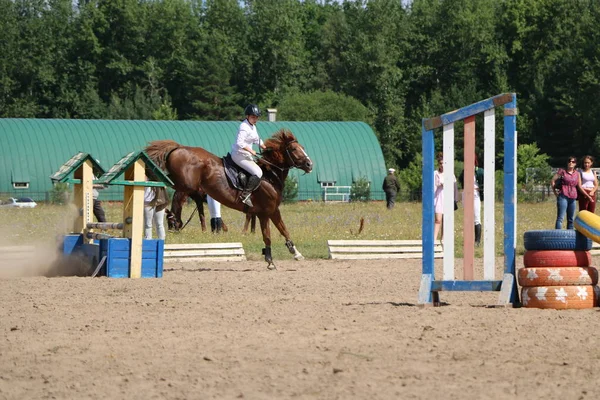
{"x":98,"y":210}
{"x":242,"y":151}
{"x":478,"y":191}
{"x":588,"y":185}
{"x":391,"y":187}
{"x":564,"y":185}
{"x":214,"y":208}
{"x":156,"y":200}
{"x":438,"y":199}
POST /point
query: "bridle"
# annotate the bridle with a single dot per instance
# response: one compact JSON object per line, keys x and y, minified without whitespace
{"x":287,"y":152}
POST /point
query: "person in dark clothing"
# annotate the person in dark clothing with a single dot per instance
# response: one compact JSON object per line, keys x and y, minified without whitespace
{"x":391,"y":187}
{"x":98,"y":210}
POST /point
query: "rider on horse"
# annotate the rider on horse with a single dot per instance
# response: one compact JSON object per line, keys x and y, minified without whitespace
{"x":242,"y":152}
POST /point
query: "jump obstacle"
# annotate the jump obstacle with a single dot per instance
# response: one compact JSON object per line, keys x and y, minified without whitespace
{"x":430,"y":286}
{"x":198,"y":252}
{"x":378,"y":249}
{"x":129,"y":256}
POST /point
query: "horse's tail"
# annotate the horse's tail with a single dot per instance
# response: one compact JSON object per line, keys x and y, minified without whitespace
{"x":159,"y":151}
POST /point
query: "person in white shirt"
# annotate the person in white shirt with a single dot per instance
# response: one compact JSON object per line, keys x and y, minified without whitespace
{"x":155,"y":202}
{"x":242,"y":152}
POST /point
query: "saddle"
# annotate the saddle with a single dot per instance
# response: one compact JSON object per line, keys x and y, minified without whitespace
{"x":238,"y":177}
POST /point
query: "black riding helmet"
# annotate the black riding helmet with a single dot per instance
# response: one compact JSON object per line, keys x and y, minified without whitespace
{"x":252,"y":109}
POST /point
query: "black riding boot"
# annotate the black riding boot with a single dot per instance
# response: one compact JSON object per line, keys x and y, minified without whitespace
{"x":213,"y":225}
{"x":252,"y":184}
{"x":219,"y":224}
{"x":477,"y":235}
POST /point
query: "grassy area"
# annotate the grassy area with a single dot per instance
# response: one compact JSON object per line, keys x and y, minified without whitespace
{"x":310,"y":224}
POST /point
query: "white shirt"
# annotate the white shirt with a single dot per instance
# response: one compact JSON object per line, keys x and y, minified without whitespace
{"x":247,"y":136}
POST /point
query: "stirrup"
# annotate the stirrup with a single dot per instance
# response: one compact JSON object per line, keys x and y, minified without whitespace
{"x":247,"y":201}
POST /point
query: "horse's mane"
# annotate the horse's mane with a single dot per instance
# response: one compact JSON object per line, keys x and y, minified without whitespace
{"x":276,"y":146}
{"x":159,"y":151}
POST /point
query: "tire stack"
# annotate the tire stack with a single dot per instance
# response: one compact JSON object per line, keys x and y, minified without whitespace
{"x":558,"y":273}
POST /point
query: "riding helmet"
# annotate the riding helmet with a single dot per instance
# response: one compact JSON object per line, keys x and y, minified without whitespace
{"x":252,"y":109}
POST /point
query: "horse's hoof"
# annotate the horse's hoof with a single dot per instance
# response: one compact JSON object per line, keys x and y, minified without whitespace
{"x":271,"y":267}
{"x":299,"y":257}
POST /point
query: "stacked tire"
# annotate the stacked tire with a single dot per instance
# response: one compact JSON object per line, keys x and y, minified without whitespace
{"x":558,"y":273}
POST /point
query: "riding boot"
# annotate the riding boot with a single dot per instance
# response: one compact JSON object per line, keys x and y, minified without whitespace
{"x":213,"y":225}
{"x":219,"y":224}
{"x":253,"y":182}
{"x":477,"y":235}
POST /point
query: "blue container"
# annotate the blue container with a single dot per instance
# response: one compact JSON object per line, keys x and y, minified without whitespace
{"x":118,"y":250}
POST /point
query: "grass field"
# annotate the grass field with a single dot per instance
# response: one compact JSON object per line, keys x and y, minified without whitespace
{"x":311,"y":224}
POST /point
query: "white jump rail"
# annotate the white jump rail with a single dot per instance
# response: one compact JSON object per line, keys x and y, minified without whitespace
{"x":199,"y":252}
{"x":378,"y":249}
{"x":595,"y":249}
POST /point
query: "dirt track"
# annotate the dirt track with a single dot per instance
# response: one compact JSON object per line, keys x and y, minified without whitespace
{"x":315,"y":329}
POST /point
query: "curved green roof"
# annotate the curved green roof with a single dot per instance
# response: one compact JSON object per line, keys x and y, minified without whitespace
{"x":32,"y":149}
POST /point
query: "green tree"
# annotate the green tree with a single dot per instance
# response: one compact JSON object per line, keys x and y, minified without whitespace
{"x":321,"y":106}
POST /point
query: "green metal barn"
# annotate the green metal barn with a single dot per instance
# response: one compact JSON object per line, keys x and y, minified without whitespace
{"x":32,"y":149}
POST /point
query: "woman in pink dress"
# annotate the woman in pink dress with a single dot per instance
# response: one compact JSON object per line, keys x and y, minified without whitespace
{"x":438,"y":196}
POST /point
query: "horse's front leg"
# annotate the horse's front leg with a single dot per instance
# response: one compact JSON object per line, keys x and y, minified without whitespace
{"x":266,"y":232}
{"x":278,"y":222}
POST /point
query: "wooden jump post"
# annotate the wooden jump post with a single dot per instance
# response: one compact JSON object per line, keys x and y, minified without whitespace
{"x":430,"y":287}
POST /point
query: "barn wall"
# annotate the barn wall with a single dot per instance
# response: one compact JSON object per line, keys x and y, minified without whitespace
{"x":32,"y":149}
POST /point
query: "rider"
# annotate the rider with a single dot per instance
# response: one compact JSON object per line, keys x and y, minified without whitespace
{"x":242,"y":152}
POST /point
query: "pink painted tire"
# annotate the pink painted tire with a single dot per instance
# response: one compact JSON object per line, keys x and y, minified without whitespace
{"x":560,"y":297}
{"x":557,"y":276}
{"x":557,"y":258}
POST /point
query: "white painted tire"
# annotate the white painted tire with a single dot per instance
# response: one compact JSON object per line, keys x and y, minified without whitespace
{"x":560,"y":297}
{"x":588,"y":224}
{"x":557,"y":276}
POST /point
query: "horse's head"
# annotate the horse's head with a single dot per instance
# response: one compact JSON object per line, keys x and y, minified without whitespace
{"x":172,"y":223}
{"x":285,"y":149}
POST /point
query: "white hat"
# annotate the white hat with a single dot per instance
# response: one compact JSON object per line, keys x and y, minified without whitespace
{"x":391,"y":170}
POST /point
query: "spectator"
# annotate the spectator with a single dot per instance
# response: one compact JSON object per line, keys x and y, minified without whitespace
{"x":564,"y":185}
{"x":156,"y":200}
{"x":438,"y":199}
{"x":98,"y":210}
{"x":214,"y":208}
{"x":478,"y":196}
{"x":391,"y":187}
{"x":588,"y":185}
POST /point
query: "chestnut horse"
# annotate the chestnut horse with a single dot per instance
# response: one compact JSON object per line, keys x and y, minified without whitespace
{"x":193,"y":168}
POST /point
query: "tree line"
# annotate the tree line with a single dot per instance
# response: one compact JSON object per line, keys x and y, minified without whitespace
{"x":389,"y":63}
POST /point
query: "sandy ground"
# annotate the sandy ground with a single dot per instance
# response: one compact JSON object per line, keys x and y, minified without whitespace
{"x":315,"y":329}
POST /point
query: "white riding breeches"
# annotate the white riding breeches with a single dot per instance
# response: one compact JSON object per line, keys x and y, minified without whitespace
{"x":158,"y":217}
{"x":244,"y":160}
{"x":214,"y":207}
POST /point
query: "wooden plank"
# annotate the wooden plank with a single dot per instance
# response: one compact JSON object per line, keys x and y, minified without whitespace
{"x":373,"y":242}
{"x":379,"y":256}
{"x":202,"y":259}
{"x":200,"y":253}
{"x":185,"y":246}
{"x":368,"y":249}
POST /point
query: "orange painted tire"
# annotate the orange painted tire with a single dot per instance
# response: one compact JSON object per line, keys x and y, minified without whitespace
{"x":561,"y":276}
{"x":560,"y":297}
{"x":557,"y":258}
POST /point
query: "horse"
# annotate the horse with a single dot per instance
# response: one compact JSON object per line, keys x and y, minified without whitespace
{"x":194,"y":168}
{"x":174,"y":221}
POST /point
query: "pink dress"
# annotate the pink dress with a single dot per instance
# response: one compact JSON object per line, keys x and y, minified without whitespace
{"x":438,"y":195}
